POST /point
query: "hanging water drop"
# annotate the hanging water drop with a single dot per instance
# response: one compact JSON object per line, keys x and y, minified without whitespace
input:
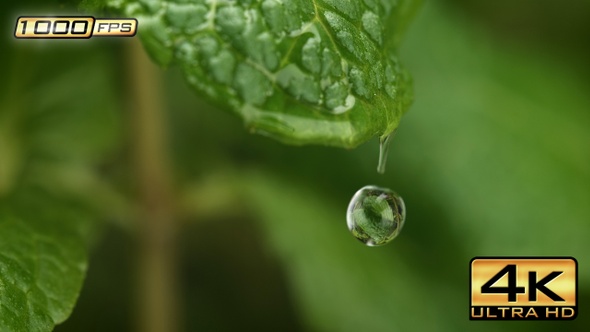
{"x":375,"y":215}
{"x":383,"y":150}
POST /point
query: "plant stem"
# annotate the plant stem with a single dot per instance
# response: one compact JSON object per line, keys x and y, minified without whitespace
{"x":157,"y":295}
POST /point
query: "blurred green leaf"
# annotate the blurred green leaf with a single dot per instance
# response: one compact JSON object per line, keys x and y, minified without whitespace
{"x":42,"y":260}
{"x":321,"y":72}
{"x":504,"y":145}
{"x":53,"y":133}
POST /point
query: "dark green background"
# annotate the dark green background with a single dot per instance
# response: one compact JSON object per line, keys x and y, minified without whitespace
{"x":492,"y":159}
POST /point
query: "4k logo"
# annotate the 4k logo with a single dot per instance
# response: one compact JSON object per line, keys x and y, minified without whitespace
{"x":513,"y":288}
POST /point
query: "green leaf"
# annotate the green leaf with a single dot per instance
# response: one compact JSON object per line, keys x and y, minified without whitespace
{"x":42,"y":260}
{"x":53,"y":132}
{"x":301,"y":71}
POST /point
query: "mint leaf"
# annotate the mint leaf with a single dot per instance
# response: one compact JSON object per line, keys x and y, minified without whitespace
{"x":42,"y":260}
{"x":54,"y":131}
{"x":320,"y":71}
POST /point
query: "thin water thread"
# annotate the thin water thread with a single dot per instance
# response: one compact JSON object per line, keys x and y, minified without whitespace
{"x":383,"y":151}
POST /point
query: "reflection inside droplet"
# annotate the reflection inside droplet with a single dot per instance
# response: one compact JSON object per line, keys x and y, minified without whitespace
{"x":375,"y":215}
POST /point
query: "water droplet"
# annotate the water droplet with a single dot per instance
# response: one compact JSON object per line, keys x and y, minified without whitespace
{"x":310,"y":55}
{"x":372,"y":24}
{"x":252,"y":86}
{"x":298,"y":84}
{"x":222,"y":66}
{"x":375,"y":215}
{"x":274,"y":15}
{"x":359,"y":81}
{"x":231,"y":20}
{"x":186,"y":52}
{"x":263,"y":49}
{"x":185,"y":16}
{"x":336,"y":94}
{"x":351,"y":9}
{"x":331,"y":64}
{"x":383,"y":151}
{"x":152,"y":6}
{"x":207,"y":46}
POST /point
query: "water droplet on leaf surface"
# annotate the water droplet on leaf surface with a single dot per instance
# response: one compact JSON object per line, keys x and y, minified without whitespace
{"x":375,"y":215}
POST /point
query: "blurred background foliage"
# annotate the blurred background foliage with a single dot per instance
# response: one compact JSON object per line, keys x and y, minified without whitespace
{"x":492,"y":159}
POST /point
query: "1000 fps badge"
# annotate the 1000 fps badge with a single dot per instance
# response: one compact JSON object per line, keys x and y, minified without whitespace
{"x":523,"y":288}
{"x":73,"y":27}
